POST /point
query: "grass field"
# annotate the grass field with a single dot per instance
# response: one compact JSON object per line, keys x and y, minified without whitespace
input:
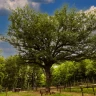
{"x":31,"y":93}
{"x":78,"y":90}
{"x":64,"y":92}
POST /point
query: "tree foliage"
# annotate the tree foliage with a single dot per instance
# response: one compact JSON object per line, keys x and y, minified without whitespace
{"x":45,"y":40}
{"x":14,"y":74}
{"x":2,"y":69}
{"x":74,"y":73}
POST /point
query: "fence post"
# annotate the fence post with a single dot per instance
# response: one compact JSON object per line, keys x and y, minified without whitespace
{"x":93,"y":90}
{"x":70,"y":88}
{"x":6,"y":91}
{"x":57,"y":87}
{"x":60,"y":89}
{"x":82,"y":91}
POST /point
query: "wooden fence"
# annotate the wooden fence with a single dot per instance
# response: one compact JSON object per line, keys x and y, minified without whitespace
{"x":81,"y":87}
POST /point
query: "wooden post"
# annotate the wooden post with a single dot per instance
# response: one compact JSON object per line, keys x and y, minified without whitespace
{"x":60,"y":89}
{"x":70,"y":87}
{"x":6,"y":91}
{"x":57,"y":87}
{"x":64,"y":87}
{"x":87,"y":82}
{"x":36,"y":87}
{"x":82,"y":91}
{"x":93,"y":90}
{"x":92,"y":80}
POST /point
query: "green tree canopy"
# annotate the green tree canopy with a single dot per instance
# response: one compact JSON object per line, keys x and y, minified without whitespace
{"x":45,"y":40}
{"x":2,"y":68}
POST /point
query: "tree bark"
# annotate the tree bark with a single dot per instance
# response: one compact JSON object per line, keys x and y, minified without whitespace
{"x":48,"y":78}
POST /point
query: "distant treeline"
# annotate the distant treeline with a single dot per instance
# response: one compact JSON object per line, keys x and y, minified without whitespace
{"x":14,"y":73}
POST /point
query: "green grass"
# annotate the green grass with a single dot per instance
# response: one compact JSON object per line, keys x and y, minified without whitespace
{"x":2,"y":94}
{"x":30,"y":93}
{"x":66,"y":92}
{"x":60,"y":95}
{"x":85,"y":90}
{"x":16,"y":94}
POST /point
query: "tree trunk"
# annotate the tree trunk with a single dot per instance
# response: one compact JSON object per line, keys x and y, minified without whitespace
{"x":48,"y":78}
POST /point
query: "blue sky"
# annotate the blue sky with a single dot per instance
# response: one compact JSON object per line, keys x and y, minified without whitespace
{"x":45,"y":6}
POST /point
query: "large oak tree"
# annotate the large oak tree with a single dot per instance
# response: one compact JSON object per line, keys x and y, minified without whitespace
{"x":44,"y":40}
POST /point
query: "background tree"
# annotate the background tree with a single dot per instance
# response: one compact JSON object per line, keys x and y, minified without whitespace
{"x":45,"y":40}
{"x":12,"y":68}
{"x":90,"y":70}
{"x":2,"y":69}
{"x":35,"y":77}
{"x":64,"y":73}
{"x":14,"y":73}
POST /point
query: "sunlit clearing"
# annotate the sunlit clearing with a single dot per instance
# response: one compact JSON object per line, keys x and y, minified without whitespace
{"x":55,"y":66}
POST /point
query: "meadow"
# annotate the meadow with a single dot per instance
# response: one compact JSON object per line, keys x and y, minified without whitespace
{"x":36,"y":93}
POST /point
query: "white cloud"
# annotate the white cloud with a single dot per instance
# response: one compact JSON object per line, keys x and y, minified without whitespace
{"x":49,"y":1}
{"x":36,"y":6}
{"x":7,"y":50}
{"x":42,"y":1}
{"x":5,"y":5}
{"x":91,"y":10}
{"x":16,"y":3}
{"x":1,"y":41}
{"x":2,"y":3}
